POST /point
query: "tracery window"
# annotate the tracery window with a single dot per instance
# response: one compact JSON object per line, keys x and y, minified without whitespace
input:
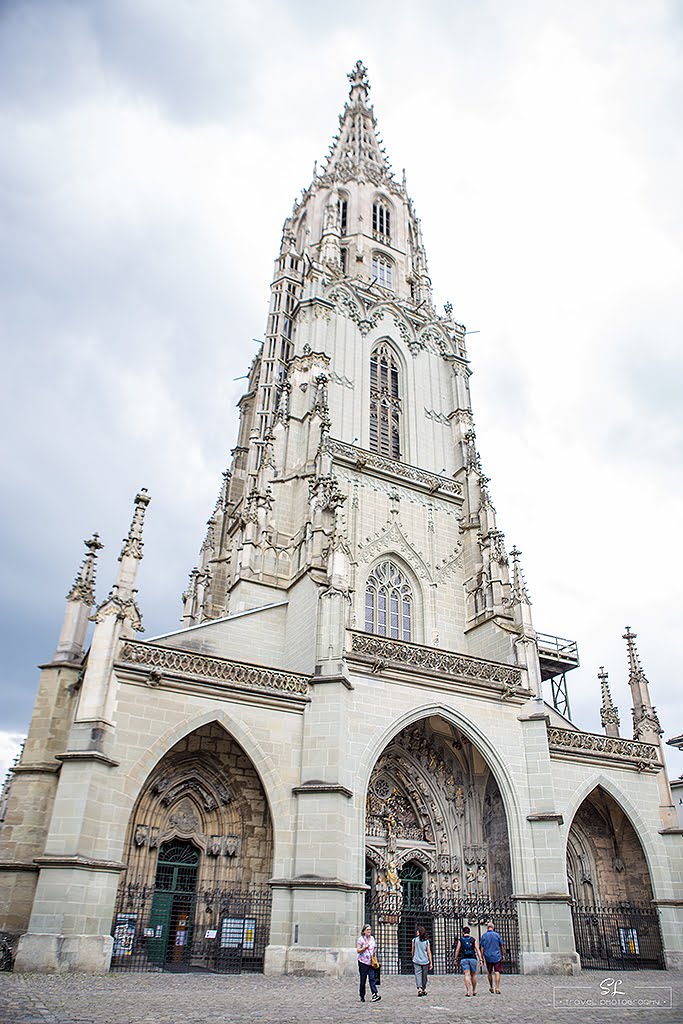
{"x":381,"y":221}
{"x":389,"y":602}
{"x":385,"y":403}
{"x":381,"y":270}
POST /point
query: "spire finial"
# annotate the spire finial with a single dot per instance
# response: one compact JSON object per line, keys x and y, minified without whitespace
{"x":609,"y":714}
{"x":358,"y":78}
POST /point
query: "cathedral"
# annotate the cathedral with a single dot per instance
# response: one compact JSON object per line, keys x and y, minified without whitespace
{"x":349,"y":723}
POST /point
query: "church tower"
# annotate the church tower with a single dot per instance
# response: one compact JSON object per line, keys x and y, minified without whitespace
{"x":356,"y":437}
{"x":349,"y":723}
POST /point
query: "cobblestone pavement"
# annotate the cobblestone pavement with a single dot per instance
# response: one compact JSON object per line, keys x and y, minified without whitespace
{"x":649,"y":997}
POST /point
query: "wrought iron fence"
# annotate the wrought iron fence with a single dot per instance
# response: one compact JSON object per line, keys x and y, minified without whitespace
{"x":620,"y":937}
{"x":395,"y":919}
{"x":220,"y":930}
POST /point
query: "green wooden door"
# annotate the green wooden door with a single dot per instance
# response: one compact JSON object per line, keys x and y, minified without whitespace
{"x":173,"y":902}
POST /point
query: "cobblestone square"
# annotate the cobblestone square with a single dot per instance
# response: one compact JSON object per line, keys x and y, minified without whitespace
{"x":645,"y":997}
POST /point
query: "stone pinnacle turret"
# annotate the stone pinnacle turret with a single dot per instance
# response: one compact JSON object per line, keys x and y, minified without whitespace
{"x":79,"y":604}
{"x":609,"y":714}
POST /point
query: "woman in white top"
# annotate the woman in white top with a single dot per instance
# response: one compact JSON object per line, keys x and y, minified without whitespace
{"x":366,"y":948}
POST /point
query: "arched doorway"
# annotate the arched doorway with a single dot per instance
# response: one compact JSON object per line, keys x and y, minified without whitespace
{"x":437,"y":842}
{"x":199,"y":855}
{"x":616,"y":926}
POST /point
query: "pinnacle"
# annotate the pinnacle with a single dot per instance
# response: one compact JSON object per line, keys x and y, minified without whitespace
{"x":357,"y":152}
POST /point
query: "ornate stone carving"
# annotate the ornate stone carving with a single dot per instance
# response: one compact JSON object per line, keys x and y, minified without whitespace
{"x":186,"y":663}
{"x":325,"y":493}
{"x":439,"y":417}
{"x":184,"y":818}
{"x":570,"y":740}
{"x":400,"y":469}
{"x":447,"y":664}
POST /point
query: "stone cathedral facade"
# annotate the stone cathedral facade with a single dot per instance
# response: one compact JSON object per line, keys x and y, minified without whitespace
{"x":349,"y":722}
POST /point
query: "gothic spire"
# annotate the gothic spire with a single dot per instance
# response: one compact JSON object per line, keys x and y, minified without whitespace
{"x":356,"y":151}
{"x":83,"y":588}
{"x":519,"y":587}
{"x":131,"y":551}
{"x":645,"y":721}
{"x":79,"y":603}
{"x":609,"y":714}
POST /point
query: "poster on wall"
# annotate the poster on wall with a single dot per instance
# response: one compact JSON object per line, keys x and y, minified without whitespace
{"x":238,"y":932}
{"x":124,"y":934}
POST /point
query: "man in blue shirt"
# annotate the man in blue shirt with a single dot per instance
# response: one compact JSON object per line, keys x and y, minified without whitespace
{"x":493,"y":950}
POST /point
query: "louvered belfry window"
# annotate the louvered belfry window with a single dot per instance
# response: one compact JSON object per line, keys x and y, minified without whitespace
{"x":389,"y":602}
{"x":385,"y":403}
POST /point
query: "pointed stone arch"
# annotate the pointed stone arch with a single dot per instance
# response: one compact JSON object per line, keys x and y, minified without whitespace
{"x":622,"y":799}
{"x":204,"y":790}
{"x":458,"y":866}
{"x":605,"y":856}
{"x":275,"y":792}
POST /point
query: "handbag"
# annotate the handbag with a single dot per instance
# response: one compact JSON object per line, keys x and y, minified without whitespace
{"x":374,"y":962}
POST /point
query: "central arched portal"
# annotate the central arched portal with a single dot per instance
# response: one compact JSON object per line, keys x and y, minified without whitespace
{"x":437,"y":846}
{"x":199,"y":852}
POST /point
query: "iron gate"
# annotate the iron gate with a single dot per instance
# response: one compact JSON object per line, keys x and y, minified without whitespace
{"x":621,"y":937}
{"x":220,"y":930}
{"x":394,"y":920}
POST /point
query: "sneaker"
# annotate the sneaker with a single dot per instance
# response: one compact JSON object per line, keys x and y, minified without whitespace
{"x":376,"y":997}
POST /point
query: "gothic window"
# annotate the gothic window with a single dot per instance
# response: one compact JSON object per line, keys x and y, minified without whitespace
{"x":382,"y":270}
{"x":385,"y":403}
{"x":381,"y":221}
{"x":343,"y":212}
{"x":344,"y":258}
{"x":388,"y":602}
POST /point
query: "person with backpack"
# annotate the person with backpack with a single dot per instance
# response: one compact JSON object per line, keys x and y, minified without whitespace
{"x":469,"y":954}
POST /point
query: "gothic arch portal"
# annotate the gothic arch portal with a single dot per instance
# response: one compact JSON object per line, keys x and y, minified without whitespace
{"x":606,"y":862}
{"x":433,"y":801}
{"x":204,"y":791}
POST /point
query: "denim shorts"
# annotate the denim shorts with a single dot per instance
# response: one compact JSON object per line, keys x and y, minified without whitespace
{"x":469,"y":963}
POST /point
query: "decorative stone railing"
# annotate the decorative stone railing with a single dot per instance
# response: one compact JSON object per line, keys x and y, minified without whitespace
{"x":166,"y":660}
{"x":373,"y":460}
{"x":444,"y":662}
{"x":590,"y":744}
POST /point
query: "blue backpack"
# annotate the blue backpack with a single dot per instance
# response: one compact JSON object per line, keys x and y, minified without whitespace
{"x":467,"y":950}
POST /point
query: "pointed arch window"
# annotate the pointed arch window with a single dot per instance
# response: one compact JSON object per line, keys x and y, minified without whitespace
{"x":381,"y":220}
{"x":385,"y":403}
{"x":389,"y":602}
{"x":343,"y":214}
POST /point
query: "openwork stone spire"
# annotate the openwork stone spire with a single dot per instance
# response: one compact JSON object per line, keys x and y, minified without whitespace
{"x":609,"y":714}
{"x":356,"y":152}
{"x":519,"y":587}
{"x":645,"y":721}
{"x":79,"y":603}
{"x":83,"y":588}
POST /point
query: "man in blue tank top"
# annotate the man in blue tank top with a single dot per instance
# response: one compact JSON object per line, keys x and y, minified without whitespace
{"x":493,"y":950}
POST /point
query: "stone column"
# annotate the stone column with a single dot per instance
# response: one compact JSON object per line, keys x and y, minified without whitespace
{"x":546,"y":931}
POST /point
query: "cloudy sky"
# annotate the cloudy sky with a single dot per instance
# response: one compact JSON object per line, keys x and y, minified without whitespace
{"x":151,"y":150}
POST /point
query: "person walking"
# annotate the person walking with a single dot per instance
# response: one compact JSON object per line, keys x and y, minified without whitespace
{"x":469,"y":954}
{"x":366,"y":948}
{"x":493,"y":952}
{"x":422,"y":959}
